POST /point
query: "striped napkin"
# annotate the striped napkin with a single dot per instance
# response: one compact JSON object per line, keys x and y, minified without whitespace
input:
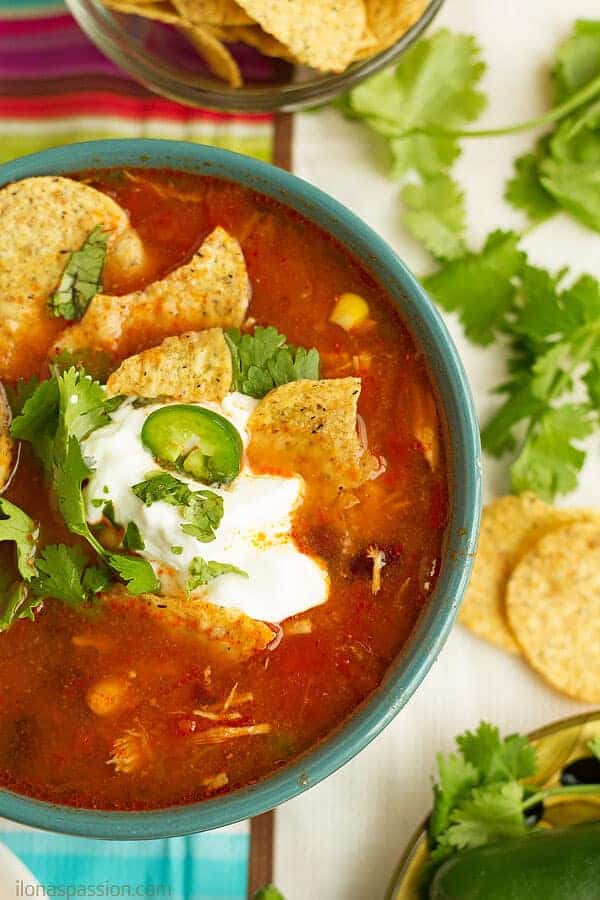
{"x":57,"y":88}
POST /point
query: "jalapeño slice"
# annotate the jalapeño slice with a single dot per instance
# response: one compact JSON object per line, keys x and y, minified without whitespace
{"x":194,"y":440}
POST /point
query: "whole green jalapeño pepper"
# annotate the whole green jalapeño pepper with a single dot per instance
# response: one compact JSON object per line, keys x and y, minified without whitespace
{"x":559,"y":864}
{"x":194,"y":440}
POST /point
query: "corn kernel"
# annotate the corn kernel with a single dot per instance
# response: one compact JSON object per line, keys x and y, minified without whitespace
{"x":349,"y":311}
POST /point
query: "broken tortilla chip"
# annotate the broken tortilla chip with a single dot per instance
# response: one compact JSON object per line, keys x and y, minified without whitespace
{"x":212,"y":12}
{"x":8,"y":451}
{"x":309,"y":427}
{"x":254,"y":36}
{"x":387,"y":21}
{"x":190,"y":367}
{"x":211,"y":290}
{"x":157,"y":11}
{"x":43,"y":220}
{"x":214,"y":53}
{"x":324,"y":34}
{"x":235,"y":633}
{"x":553,"y":607}
{"x":510,"y":526}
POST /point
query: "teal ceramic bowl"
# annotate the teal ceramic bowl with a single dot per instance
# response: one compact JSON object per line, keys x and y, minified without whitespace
{"x":412,"y":665}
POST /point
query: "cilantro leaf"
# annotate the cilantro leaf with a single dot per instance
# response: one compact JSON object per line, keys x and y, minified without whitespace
{"x":60,"y":570}
{"x":492,"y":811}
{"x":268,"y":892}
{"x":135,"y":571}
{"x":17,"y":526}
{"x":576,"y":186}
{"x":548,"y":463}
{"x":82,"y":277}
{"x":578,"y":59}
{"x":457,"y":777}
{"x":435,"y":215}
{"x":132,"y":539}
{"x":480,"y":287}
{"x":202,"y":571}
{"x":203,"y":515}
{"x":434,"y":84}
{"x":162,"y":487}
{"x":496,"y":759}
{"x":16,"y":603}
{"x":594,"y":746}
{"x":264,"y":360}
{"x":525,"y":189}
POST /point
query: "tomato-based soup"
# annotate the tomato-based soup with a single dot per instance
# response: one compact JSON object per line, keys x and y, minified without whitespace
{"x":382,"y":548}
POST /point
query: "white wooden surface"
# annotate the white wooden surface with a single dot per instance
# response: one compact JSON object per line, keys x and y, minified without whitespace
{"x":341,"y":839}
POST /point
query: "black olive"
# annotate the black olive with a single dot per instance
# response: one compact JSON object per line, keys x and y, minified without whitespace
{"x":534,"y":814}
{"x":582,"y":771}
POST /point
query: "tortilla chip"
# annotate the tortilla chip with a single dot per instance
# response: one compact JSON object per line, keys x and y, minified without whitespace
{"x":254,"y":36}
{"x":7,"y":445}
{"x":387,"y":21}
{"x":309,"y":427}
{"x":43,"y":220}
{"x":235,"y":633}
{"x":212,"y":12}
{"x":510,"y":526}
{"x":190,"y":367}
{"x":324,"y":34}
{"x":158,"y":12}
{"x":211,"y":290}
{"x":214,"y":53}
{"x":553,"y":607}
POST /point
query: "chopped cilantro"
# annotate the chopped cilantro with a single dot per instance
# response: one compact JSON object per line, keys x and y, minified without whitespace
{"x":202,"y":571}
{"x":96,"y":502}
{"x":594,"y":746}
{"x":82,"y":277}
{"x":264,"y":360}
{"x":17,"y":526}
{"x":176,"y":550}
{"x":133,"y":540}
{"x":203,"y":509}
{"x":108,"y":511}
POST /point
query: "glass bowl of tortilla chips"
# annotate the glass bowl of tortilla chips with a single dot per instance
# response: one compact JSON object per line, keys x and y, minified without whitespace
{"x":252,"y":55}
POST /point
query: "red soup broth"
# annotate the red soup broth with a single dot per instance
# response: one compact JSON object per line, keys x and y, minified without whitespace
{"x":52,"y":746}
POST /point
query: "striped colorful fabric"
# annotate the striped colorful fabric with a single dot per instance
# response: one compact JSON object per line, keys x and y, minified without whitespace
{"x":57,"y":88}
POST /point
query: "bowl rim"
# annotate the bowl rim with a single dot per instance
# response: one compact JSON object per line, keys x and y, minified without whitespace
{"x":414,"y":661}
{"x":103,"y":30}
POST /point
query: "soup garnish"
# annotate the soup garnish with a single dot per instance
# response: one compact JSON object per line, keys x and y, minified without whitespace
{"x":215,"y":544}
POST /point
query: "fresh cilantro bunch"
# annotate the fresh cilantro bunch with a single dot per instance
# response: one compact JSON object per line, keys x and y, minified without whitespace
{"x":420,"y":107}
{"x":82,"y":277}
{"x":562,"y":170}
{"x":264,"y":360}
{"x":434,"y":87}
{"x":480,"y":796}
{"x":553,"y":338}
{"x":54,"y":416}
{"x":203,"y":509}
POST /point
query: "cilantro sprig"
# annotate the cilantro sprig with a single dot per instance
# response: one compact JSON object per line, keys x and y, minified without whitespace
{"x":481,"y":795}
{"x":55,"y":417}
{"x":82,"y":277}
{"x":265,"y":360}
{"x":203,"y":509}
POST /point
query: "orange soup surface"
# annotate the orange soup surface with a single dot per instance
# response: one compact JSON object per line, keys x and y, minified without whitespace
{"x":324,"y":662}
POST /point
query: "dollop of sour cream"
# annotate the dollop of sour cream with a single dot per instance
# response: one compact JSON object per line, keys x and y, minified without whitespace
{"x":254,"y":534}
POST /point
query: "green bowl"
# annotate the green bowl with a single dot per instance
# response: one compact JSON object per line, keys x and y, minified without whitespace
{"x":410,"y":668}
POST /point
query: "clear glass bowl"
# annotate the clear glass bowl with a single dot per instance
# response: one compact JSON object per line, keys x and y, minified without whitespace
{"x":162,"y":59}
